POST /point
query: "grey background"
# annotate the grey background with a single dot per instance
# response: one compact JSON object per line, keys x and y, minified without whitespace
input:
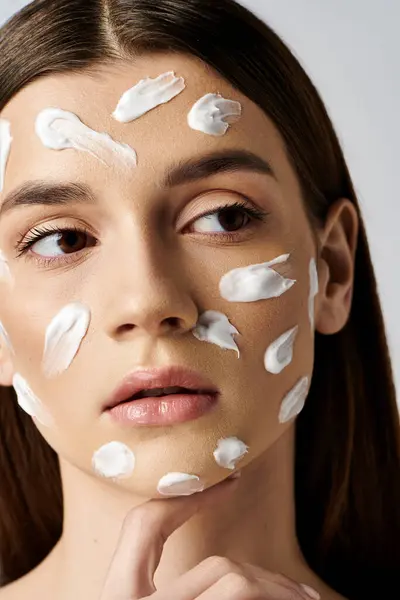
{"x":351,"y":50}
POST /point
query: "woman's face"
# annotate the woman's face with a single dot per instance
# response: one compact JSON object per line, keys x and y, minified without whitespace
{"x":149,"y":266}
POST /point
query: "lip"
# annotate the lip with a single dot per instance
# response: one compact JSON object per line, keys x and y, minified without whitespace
{"x":171,"y":376}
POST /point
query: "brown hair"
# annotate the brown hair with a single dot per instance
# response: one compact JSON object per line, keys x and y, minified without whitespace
{"x":347,"y":437}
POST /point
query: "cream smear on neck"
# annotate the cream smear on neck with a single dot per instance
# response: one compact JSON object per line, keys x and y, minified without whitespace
{"x":59,"y":130}
{"x":63,"y":338}
{"x":179,"y":484}
{"x":5,"y":273}
{"x":29,"y":402}
{"x":5,"y":147}
{"x":229,"y":451}
{"x":214,"y":327}
{"x":313,"y":290}
{"x":280,"y":353}
{"x":114,"y":460}
{"x":146,"y":95}
{"x":212,"y":114}
{"x":255,"y":282}
{"x":294,"y":401}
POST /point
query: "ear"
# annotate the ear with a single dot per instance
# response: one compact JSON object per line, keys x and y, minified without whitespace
{"x":337,"y":249}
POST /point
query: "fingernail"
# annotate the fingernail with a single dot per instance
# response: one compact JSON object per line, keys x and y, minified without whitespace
{"x":311,"y":592}
{"x":235,"y":475}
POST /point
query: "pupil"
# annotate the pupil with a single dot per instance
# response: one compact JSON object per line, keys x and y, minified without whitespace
{"x":228,"y":220}
{"x":69,"y":241}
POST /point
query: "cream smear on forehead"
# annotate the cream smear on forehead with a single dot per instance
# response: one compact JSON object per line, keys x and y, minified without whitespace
{"x":146,"y":95}
{"x":179,"y":484}
{"x":5,"y":147}
{"x":229,"y":451}
{"x":29,"y":402}
{"x":212,"y":114}
{"x":63,"y":338}
{"x":5,"y":273}
{"x":214,"y":327}
{"x":6,"y":338}
{"x":313,"y":290}
{"x":294,"y":400}
{"x":255,"y":282}
{"x":280,"y":353}
{"x":114,"y":460}
{"x":59,"y":130}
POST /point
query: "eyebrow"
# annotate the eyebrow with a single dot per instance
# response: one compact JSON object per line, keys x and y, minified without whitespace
{"x":47,"y":193}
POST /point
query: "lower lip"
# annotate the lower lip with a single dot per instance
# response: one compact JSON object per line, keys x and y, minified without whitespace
{"x":163,"y":410}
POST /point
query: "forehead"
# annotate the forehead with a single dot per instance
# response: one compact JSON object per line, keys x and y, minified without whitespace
{"x":158,"y":137}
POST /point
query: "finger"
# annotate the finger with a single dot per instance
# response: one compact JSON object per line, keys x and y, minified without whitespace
{"x":307,"y":591}
{"x":235,"y":586}
{"x":145,"y":530}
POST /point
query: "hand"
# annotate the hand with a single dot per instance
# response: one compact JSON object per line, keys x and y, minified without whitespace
{"x":146,"y":529}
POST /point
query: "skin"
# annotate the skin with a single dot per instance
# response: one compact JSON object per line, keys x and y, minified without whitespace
{"x":144,"y":270}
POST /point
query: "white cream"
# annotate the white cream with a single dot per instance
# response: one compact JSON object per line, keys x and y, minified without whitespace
{"x":214,"y":327}
{"x":293,"y":402}
{"x":5,"y":273}
{"x":5,"y":147}
{"x":59,"y":130}
{"x":229,"y":451}
{"x":146,"y":95}
{"x":29,"y":402}
{"x":212,"y":114}
{"x":63,"y":338}
{"x":179,"y":484}
{"x":313,"y":290}
{"x":6,"y":337}
{"x":114,"y":460}
{"x":255,"y":282}
{"x":280,"y":353}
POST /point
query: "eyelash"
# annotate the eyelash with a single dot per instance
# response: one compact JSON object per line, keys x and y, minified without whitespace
{"x":35,"y":235}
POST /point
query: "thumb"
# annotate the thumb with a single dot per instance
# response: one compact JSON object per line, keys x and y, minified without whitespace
{"x":144,"y":532}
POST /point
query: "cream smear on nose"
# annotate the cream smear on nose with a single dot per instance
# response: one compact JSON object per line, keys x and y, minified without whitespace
{"x":255,"y":282}
{"x":313,"y":290}
{"x":280,"y":353}
{"x":146,"y":95}
{"x":59,"y":129}
{"x":114,"y":460}
{"x":214,"y":327}
{"x":179,"y":484}
{"x":29,"y":402}
{"x":294,"y":401}
{"x":5,"y":147}
{"x":229,"y":451}
{"x":63,"y":338}
{"x":5,"y":273}
{"x":212,"y":114}
{"x":6,"y":337}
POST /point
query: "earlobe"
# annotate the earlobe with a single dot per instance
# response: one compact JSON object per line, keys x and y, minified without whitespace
{"x":336,"y":267}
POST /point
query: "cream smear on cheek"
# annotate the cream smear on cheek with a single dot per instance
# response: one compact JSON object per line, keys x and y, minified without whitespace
{"x":212,"y":114}
{"x":313,"y":273}
{"x":280,"y":353}
{"x":179,"y":484}
{"x":146,"y":95}
{"x":255,"y":282}
{"x":4,"y":335}
{"x":29,"y":402}
{"x":5,"y":147}
{"x":63,"y":338}
{"x":5,"y":272}
{"x":214,"y":327}
{"x":294,"y":401}
{"x":114,"y":460}
{"x":229,"y":451}
{"x":59,"y":130}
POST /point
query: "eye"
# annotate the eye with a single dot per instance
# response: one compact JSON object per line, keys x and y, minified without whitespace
{"x":52,"y":242}
{"x":228,"y":218}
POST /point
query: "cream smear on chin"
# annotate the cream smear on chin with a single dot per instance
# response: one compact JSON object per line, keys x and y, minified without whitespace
{"x":229,"y":451}
{"x":212,"y":114}
{"x":294,"y":401}
{"x":179,"y":484}
{"x":59,"y":130}
{"x":280,"y":353}
{"x":255,"y":282}
{"x":29,"y":402}
{"x":4,"y":335}
{"x":5,"y":273}
{"x":63,"y":338}
{"x":313,"y":290}
{"x":214,"y":327}
{"x":114,"y":460}
{"x":5,"y":147}
{"x":146,"y":95}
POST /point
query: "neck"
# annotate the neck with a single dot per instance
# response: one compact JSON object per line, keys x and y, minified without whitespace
{"x":257,"y":526}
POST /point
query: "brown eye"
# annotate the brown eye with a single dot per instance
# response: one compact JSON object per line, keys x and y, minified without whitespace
{"x":227,"y":219}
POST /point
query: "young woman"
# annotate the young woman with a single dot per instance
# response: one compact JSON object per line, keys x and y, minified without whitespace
{"x":132,"y":132}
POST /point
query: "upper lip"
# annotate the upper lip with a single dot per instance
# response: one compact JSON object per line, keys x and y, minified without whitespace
{"x":144,"y":379}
